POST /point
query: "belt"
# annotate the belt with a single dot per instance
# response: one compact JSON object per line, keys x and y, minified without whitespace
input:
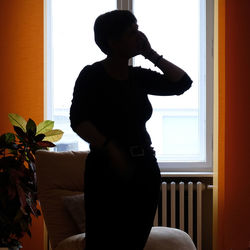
{"x":139,"y":151}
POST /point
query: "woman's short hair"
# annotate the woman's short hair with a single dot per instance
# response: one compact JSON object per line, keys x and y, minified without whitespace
{"x":111,"y":25}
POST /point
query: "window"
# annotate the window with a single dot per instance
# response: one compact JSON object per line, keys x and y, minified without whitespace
{"x":181,"y":30}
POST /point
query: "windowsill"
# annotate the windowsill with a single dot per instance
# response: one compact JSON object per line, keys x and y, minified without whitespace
{"x":187,"y":174}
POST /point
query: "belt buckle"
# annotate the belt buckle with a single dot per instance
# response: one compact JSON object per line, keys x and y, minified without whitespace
{"x":136,"y":151}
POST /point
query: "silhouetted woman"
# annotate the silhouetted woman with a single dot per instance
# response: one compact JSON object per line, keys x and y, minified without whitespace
{"x":109,"y":110}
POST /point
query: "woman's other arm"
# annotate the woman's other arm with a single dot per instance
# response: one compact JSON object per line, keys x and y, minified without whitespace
{"x":88,"y":132}
{"x":121,"y":166}
{"x":173,"y":72}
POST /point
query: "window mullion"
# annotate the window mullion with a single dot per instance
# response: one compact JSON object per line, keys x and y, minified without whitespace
{"x":125,"y":5}
{"x":119,"y":4}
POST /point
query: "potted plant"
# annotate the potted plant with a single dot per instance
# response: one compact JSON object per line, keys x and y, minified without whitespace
{"x":18,"y":185}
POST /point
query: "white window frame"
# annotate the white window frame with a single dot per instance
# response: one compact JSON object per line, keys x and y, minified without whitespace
{"x":203,"y":167}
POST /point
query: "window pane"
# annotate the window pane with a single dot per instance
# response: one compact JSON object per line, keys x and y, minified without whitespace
{"x":72,"y":47}
{"x":177,"y":127}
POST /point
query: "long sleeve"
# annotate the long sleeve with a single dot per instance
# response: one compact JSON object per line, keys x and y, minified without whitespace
{"x":83,"y":97}
{"x":155,"y":83}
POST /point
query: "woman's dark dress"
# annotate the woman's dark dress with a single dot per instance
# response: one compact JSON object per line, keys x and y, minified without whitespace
{"x":120,"y":211}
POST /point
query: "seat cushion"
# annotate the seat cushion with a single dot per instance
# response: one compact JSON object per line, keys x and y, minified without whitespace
{"x":165,"y":238}
{"x":160,"y":238}
{"x":75,"y":207}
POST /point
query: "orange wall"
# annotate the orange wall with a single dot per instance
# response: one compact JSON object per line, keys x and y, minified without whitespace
{"x":21,"y":64}
{"x":234,"y":170}
{"x":21,"y":74}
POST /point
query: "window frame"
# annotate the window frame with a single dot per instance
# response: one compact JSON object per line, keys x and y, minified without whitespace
{"x":206,"y":166}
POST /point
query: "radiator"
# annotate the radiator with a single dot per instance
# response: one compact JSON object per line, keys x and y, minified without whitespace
{"x":180,"y":207}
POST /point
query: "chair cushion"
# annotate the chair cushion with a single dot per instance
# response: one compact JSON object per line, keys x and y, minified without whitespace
{"x":160,"y":238}
{"x":75,"y":207}
{"x":166,"y":238}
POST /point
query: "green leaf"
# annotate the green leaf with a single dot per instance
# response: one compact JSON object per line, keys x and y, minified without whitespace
{"x":9,"y":138}
{"x":39,"y":137}
{"x":31,"y":127}
{"x":20,"y":133}
{"x":8,"y":141}
{"x":18,"y":121}
{"x":45,"y":144}
{"x":45,"y":126}
{"x":2,"y":140}
{"x":53,"y":135}
{"x":24,"y":225}
{"x":18,"y":216}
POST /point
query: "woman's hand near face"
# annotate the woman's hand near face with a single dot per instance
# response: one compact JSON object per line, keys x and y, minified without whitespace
{"x":144,"y":46}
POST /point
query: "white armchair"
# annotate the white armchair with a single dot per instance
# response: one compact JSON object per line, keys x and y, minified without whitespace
{"x":60,"y":191}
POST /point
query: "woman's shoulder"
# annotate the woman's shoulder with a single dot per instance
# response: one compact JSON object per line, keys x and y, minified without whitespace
{"x":89,"y":77}
{"x":91,"y":70}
